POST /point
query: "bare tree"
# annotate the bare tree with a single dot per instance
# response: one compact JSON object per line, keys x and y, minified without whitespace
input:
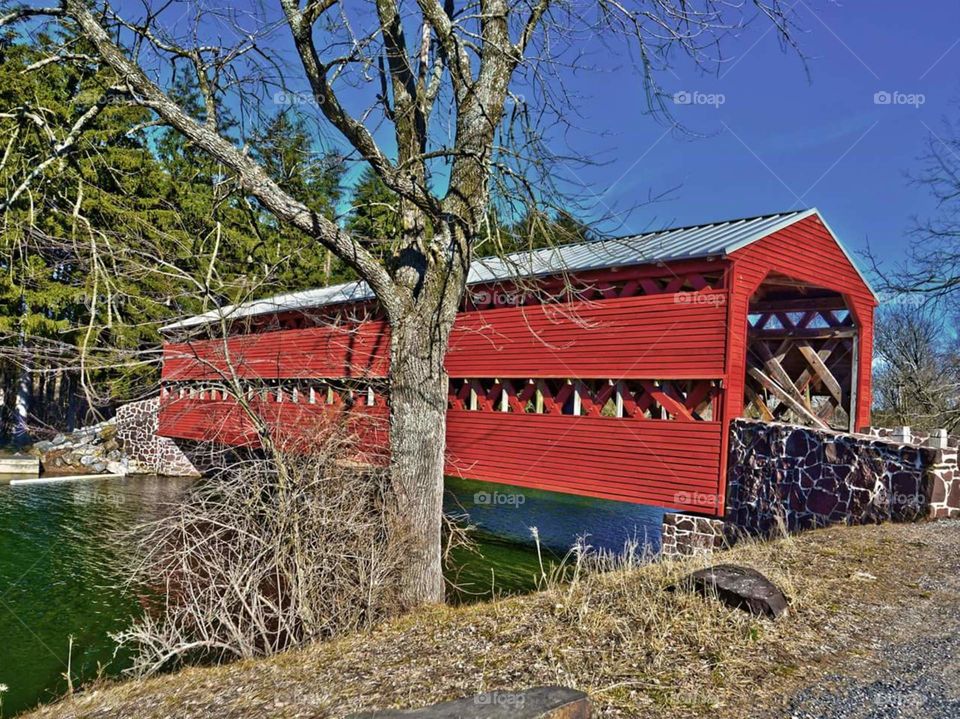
{"x":918,"y":369}
{"x":455,"y":106}
{"x":932,"y":268}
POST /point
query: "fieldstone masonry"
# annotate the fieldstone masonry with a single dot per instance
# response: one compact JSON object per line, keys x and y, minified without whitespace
{"x":683,"y":535}
{"x":147,"y":452}
{"x":785,"y":477}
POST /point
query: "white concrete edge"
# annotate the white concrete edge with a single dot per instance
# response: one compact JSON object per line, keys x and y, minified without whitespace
{"x":66,"y":478}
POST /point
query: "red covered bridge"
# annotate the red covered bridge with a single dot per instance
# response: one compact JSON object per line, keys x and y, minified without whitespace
{"x":612,"y":369}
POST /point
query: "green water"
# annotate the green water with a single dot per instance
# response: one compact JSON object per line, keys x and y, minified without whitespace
{"x":61,"y":550}
{"x":61,"y":559}
{"x":62,"y":553}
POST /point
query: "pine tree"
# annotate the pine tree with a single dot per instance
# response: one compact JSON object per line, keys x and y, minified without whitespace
{"x":131,"y":231}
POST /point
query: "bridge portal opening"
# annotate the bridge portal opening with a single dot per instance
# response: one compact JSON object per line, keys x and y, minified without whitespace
{"x":802,"y":351}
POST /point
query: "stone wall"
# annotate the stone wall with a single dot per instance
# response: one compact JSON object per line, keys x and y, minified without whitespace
{"x":785,"y":478}
{"x":683,"y":535}
{"x":145,"y":451}
{"x":937,"y":438}
{"x":89,"y":450}
{"x":807,"y":478}
{"x":945,"y":493}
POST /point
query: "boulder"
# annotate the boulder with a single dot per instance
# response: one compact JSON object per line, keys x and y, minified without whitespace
{"x":740,"y":587}
{"x":535,"y":703}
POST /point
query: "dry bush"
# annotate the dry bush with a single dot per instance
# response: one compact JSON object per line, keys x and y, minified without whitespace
{"x":267,"y":554}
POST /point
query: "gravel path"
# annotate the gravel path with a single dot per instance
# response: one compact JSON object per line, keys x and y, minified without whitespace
{"x":911,"y":667}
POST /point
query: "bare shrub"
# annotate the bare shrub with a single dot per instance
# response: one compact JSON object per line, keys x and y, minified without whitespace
{"x":267,"y":554}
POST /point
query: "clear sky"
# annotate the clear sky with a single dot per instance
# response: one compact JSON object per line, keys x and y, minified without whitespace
{"x":781,"y":140}
{"x":769,"y":134}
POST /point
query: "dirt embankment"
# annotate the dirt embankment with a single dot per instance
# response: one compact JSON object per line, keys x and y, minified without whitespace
{"x":637,"y":648}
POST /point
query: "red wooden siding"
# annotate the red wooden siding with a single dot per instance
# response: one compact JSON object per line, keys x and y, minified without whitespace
{"x":337,"y":351}
{"x":655,"y":336}
{"x":226,"y":422}
{"x":659,"y":462}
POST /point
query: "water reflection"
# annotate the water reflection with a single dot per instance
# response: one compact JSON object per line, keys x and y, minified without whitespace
{"x":508,"y":512}
{"x":61,"y":558}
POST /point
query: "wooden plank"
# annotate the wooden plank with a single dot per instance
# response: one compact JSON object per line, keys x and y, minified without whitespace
{"x":800,"y":304}
{"x":786,"y":398}
{"x":826,"y":351}
{"x":761,"y":406}
{"x":772,"y":364}
{"x":805,"y":333}
{"x":65,"y":478}
{"x":854,"y":397}
{"x":821,"y":369}
{"x":670,"y":404}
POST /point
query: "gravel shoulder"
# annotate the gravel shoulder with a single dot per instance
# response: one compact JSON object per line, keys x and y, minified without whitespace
{"x":871,"y":632}
{"x":911,"y":667}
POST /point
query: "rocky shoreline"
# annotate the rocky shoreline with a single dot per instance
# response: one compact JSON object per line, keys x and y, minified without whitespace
{"x":88,"y":450}
{"x":125,"y":444}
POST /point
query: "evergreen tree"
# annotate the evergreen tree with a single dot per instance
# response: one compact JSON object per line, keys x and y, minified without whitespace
{"x":375,"y":212}
{"x":129,"y":231}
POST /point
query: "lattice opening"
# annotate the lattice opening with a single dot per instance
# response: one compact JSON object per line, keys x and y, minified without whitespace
{"x":685,"y":400}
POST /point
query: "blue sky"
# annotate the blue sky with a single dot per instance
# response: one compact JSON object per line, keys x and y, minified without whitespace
{"x":767,"y":133}
{"x":781,"y":140}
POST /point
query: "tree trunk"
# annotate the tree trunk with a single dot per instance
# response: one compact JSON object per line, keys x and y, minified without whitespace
{"x":418,"y":411}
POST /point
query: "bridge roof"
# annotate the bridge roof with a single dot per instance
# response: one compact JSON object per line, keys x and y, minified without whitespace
{"x":716,"y":239}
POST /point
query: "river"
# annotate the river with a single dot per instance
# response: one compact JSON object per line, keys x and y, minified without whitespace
{"x":62,"y":552}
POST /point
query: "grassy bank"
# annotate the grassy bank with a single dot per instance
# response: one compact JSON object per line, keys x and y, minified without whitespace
{"x":638,"y":649}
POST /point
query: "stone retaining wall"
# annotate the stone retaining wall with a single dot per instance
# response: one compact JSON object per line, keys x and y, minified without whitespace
{"x":785,"y":477}
{"x":125,"y":444}
{"x":682,"y":535}
{"x":937,"y":438}
{"x":145,"y":451}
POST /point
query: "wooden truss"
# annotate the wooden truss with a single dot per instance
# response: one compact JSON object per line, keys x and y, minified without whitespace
{"x":800,"y":363}
{"x":688,"y":400}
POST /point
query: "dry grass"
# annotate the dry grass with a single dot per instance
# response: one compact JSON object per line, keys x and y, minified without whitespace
{"x":637,"y":648}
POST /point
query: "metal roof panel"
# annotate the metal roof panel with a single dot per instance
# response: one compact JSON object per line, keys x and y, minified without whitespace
{"x":680,"y":243}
